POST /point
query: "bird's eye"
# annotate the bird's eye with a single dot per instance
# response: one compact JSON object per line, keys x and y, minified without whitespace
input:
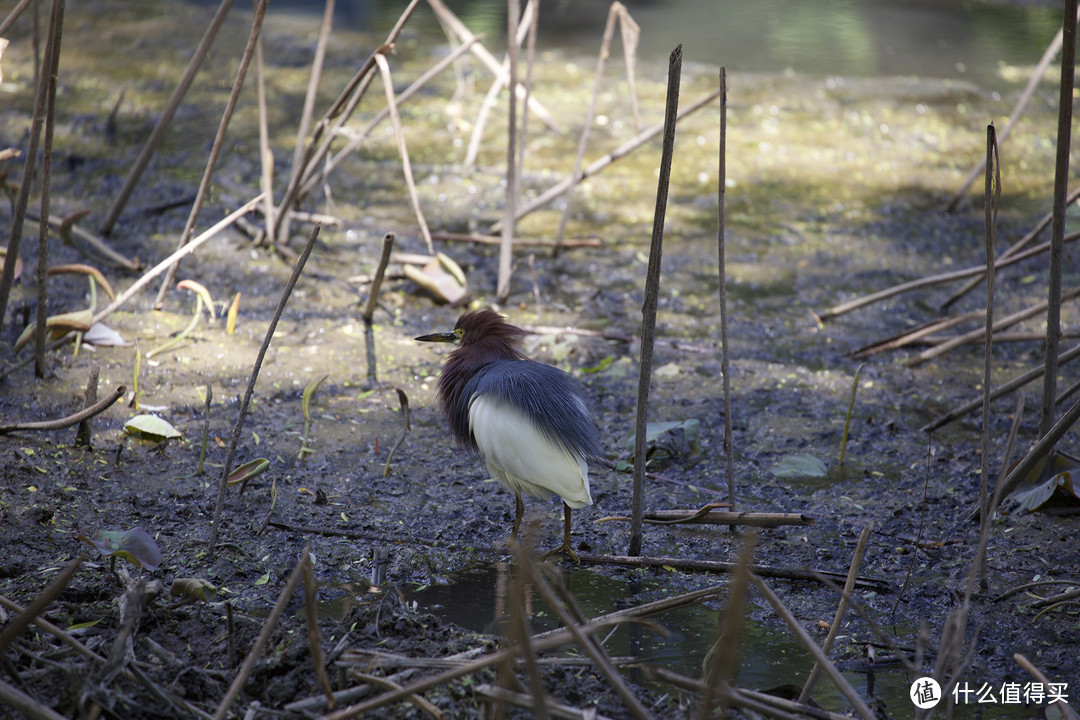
{"x":459,"y":333}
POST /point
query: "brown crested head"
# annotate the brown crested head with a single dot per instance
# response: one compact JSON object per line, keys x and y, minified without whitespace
{"x":490,"y":330}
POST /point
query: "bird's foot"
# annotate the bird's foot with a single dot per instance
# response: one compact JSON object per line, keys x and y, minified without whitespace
{"x":564,"y":549}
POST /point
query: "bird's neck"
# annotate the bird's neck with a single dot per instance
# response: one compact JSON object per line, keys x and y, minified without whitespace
{"x":461,"y":366}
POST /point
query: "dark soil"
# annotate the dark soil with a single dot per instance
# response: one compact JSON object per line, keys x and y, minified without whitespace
{"x":436,"y":513}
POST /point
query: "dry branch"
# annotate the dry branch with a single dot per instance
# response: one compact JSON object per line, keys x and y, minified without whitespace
{"x":1011,"y":250}
{"x":980,"y":333}
{"x":518,"y":240}
{"x":592,"y":649}
{"x":524,"y":700}
{"x":997,"y":392}
{"x":865,"y":583}
{"x":841,"y":608}
{"x":399,"y":133}
{"x":976,"y":271}
{"x":450,"y":20}
{"x":317,"y":175}
{"x":15,"y":627}
{"x":1029,"y":667}
{"x":84,"y":414}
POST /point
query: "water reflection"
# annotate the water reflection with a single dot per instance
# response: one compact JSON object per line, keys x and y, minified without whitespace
{"x":770,"y":657}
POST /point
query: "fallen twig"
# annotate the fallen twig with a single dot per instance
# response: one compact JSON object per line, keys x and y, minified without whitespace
{"x":599,"y":657}
{"x":1011,"y":250}
{"x":14,"y":627}
{"x":542,"y":641}
{"x":518,"y":240}
{"x":95,"y":409}
{"x":759,"y":702}
{"x":726,"y":567}
{"x":976,"y":271}
{"x":707,"y":515}
{"x":1018,"y":381}
{"x":524,"y":700}
{"x":980,"y":333}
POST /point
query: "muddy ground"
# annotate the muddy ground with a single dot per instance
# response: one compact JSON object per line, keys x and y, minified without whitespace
{"x":836,"y":189}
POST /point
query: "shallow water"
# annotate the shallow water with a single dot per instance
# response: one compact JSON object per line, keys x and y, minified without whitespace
{"x":770,"y":656}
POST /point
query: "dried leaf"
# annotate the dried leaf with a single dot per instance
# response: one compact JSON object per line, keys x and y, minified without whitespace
{"x":305,"y":403}
{"x":78,"y":321}
{"x":81,"y":269}
{"x":230,"y":320}
{"x":1053,"y":478}
{"x":151,"y":427}
{"x":445,"y":285}
{"x":134,"y":545}
{"x":801,"y":465}
{"x":247,"y":471}
{"x":201,"y":290}
{"x":193,"y":589}
{"x":104,"y":336}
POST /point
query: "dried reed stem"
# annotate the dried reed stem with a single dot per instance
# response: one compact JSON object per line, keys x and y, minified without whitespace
{"x":230,"y":455}
{"x":52,"y":59}
{"x":721,"y":245}
{"x":819,"y":657}
{"x":506,"y":247}
{"x":991,"y":198}
{"x":602,"y":162}
{"x":841,"y":608}
{"x":652,"y":291}
{"x":1048,"y":410}
{"x":399,"y":133}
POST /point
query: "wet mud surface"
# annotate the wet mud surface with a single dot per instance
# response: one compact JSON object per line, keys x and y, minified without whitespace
{"x":835,"y":189}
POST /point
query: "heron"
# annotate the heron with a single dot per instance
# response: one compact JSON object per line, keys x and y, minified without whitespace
{"x":530,"y":422}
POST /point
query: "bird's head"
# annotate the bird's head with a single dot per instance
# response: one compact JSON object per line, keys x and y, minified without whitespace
{"x":483,"y":333}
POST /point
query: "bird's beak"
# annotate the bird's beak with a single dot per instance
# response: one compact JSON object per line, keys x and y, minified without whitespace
{"x":446,"y":337}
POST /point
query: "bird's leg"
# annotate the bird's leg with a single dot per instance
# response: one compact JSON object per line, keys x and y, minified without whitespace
{"x":566,"y":548}
{"x":519,"y":512}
